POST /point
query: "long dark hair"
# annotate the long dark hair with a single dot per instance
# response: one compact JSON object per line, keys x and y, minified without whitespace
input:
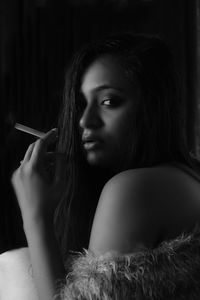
{"x":158,"y":125}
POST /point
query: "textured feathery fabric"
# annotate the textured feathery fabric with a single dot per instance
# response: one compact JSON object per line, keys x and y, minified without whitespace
{"x":169,"y":272}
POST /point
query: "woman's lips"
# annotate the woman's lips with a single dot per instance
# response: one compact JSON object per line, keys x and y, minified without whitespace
{"x":91,"y":145}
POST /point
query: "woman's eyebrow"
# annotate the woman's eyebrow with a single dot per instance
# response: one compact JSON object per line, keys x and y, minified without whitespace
{"x":107,"y":87}
{"x":104,"y":87}
{"x":101,"y":88}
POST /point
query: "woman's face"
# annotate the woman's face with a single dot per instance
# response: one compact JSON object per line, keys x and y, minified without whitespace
{"x":106,"y":121}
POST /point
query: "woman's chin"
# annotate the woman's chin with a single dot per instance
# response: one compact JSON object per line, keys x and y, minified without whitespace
{"x":99,"y":160}
{"x":94,"y":158}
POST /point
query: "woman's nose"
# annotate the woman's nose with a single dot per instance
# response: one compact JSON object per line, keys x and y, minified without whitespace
{"x":90,"y":118}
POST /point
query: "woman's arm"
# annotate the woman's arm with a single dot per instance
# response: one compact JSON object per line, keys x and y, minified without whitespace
{"x":37,"y":193}
{"x":46,"y":260}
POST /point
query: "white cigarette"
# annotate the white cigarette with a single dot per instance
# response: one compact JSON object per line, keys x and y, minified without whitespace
{"x":29,"y":130}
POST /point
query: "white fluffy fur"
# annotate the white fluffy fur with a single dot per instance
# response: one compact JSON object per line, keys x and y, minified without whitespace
{"x":170,"y":271}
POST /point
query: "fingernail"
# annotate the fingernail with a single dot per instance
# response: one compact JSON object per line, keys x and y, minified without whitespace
{"x":54,"y":129}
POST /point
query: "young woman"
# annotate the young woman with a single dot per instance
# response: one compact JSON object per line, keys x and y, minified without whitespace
{"x":124,"y":181}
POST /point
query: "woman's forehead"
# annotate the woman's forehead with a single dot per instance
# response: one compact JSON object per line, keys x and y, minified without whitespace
{"x":105,"y":72}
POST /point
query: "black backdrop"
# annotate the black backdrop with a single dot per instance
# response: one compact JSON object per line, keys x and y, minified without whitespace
{"x":38,"y":38}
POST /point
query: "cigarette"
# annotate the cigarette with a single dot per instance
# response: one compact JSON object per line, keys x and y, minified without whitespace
{"x":29,"y":130}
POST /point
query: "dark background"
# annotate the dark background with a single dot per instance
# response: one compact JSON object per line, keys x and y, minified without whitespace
{"x":37,"y":41}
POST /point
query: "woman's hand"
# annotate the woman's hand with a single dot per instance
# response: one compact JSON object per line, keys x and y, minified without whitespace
{"x":37,"y":186}
{"x":38,"y":189}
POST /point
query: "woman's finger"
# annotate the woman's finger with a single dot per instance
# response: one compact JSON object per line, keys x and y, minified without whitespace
{"x":28,"y":153}
{"x":41,"y":146}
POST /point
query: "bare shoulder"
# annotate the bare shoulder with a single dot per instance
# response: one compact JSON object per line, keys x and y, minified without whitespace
{"x":145,"y":183}
{"x":164,"y":179}
{"x":164,"y":190}
{"x":137,"y":206}
{"x":162,"y":173}
{"x":127,"y":217}
{"x":16,"y":279}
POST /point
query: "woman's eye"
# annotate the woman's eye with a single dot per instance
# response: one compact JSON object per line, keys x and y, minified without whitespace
{"x":111,"y":102}
{"x":107,"y":102}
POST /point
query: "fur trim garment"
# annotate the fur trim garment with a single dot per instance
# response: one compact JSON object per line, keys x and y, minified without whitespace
{"x":169,"y":272}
